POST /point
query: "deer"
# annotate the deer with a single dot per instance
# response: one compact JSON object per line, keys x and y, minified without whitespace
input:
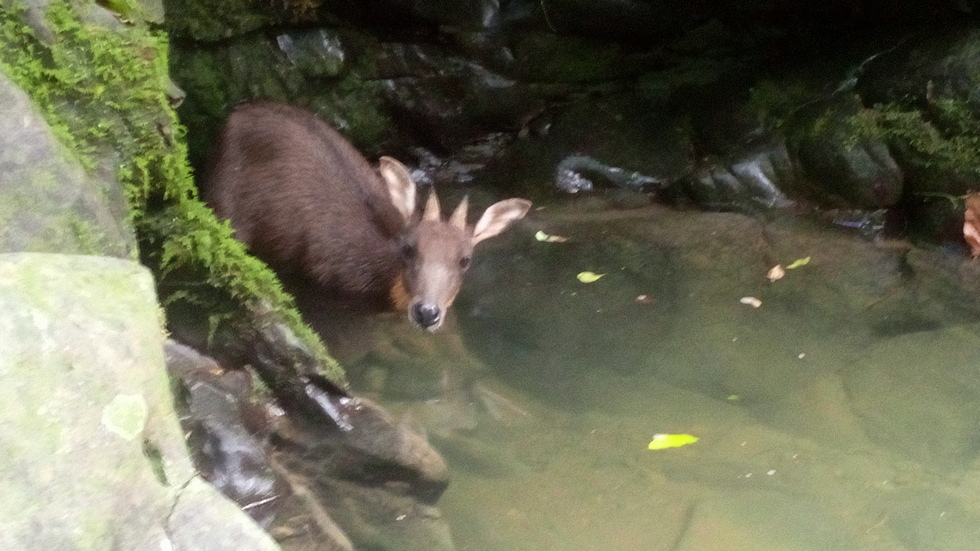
{"x":303,"y":199}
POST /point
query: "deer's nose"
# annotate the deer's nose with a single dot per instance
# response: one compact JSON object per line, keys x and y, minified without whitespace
{"x":426,"y":315}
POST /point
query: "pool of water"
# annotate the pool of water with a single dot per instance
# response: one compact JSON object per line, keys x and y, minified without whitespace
{"x":841,"y":413}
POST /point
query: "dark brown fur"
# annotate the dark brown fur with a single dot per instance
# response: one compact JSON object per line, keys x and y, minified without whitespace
{"x":304,"y":199}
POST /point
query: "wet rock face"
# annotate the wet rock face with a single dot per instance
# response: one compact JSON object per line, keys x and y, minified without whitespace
{"x":423,"y":79}
{"x":227,"y":433}
{"x":839,"y":167}
{"x":337,"y":470}
{"x":378,"y":480}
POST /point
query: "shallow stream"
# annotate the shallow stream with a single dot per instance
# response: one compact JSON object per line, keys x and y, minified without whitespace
{"x":841,"y":413}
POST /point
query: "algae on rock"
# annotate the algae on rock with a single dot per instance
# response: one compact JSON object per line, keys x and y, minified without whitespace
{"x":100,"y":84}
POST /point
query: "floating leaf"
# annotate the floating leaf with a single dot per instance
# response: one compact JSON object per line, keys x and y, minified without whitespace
{"x":547,"y":238}
{"x":733,"y":398}
{"x":664,"y":441}
{"x":776,"y":273}
{"x":751,"y":301}
{"x":589,"y":277}
{"x":798,"y":263}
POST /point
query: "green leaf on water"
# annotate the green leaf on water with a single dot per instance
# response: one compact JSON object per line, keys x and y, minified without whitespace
{"x":664,"y":441}
{"x":548,"y":238}
{"x":798,"y":263}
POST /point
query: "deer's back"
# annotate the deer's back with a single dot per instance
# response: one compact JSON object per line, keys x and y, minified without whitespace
{"x":304,"y":199}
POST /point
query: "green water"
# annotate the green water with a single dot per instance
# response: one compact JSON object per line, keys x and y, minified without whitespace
{"x":842,"y":413}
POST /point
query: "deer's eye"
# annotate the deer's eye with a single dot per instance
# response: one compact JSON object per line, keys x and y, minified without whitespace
{"x":464,"y":262}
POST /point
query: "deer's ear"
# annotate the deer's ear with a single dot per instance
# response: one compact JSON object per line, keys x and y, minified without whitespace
{"x":499,"y":217}
{"x":401,"y":188}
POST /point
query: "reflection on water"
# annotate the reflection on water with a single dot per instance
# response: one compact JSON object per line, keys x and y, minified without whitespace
{"x":841,"y":414}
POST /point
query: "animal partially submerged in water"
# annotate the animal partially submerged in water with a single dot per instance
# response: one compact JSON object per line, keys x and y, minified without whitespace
{"x":305,"y":201}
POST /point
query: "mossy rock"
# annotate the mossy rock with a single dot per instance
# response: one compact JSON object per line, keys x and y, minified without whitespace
{"x":100,"y":85}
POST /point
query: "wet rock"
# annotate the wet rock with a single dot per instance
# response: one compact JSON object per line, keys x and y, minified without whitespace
{"x":925,"y":88}
{"x":447,"y":101}
{"x":842,"y":168}
{"x":355,"y":477}
{"x":461,"y":167}
{"x":228,"y":433}
{"x":612,"y":140}
{"x":377,"y":478}
{"x":748,"y":179}
{"x":628,"y":21}
{"x":871,"y":224}
{"x":316,"y":53}
{"x":291,"y":66}
{"x":576,"y":173}
{"x":373,"y":447}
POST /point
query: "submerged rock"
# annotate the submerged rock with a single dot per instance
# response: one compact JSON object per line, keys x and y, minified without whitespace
{"x":376,"y":478}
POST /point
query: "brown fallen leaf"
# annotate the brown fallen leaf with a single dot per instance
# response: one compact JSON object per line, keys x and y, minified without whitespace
{"x":645,"y":299}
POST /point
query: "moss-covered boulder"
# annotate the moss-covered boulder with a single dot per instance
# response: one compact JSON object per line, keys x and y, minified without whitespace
{"x":840,"y":166}
{"x":48,"y":201}
{"x":94,"y":457}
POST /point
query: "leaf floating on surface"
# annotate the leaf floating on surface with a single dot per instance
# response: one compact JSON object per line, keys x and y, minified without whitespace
{"x":798,"y":263}
{"x":548,"y":238}
{"x":589,"y":277}
{"x":664,"y":441}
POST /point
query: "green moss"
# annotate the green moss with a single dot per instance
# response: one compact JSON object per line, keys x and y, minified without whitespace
{"x":546,"y":57}
{"x":352,"y":106}
{"x":101,"y":90}
{"x":942,"y":139}
{"x":217,"y":19}
{"x":778,"y":102}
{"x":686,"y":74}
{"x":90,"y":239}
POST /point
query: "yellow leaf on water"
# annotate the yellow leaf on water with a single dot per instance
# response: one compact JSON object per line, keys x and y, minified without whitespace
{"x":589,"y":277}
{"x":798,"y":263}
{"x":547,"y":238}
{"x":664,"y":441}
